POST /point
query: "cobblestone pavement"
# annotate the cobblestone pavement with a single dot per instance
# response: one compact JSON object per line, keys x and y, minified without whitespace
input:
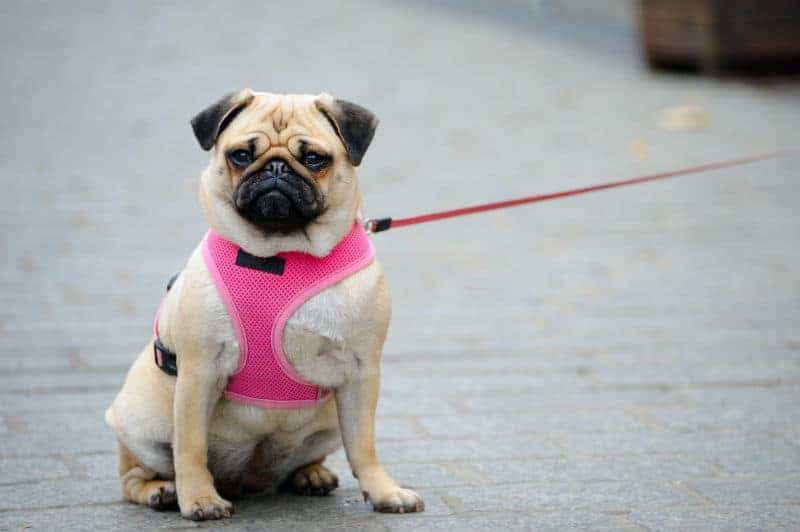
{"x":628,"y":360}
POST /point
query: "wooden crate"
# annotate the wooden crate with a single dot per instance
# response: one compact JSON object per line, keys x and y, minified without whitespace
{"x":714,"y":34}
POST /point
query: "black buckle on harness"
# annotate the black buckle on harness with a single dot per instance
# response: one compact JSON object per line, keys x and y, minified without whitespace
{"x":166,"y":360}
{"x":172,"y":280}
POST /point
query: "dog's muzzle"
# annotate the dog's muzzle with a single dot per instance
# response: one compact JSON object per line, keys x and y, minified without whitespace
{"x":277,"y":199}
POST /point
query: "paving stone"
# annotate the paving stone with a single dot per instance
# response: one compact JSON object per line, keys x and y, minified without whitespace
{"x":24,"y":469}
{"x":402,"y":405}
{"x":54,"y":402}
{"x":46,"y":445}
{"x":125,"y":517}
{"x":632,"y":468}
{"x":396,"y":428}
{"x":758,"y":416}
{"x":543,"y":423}
{"x":120,"y":516}
{"x":37,"y":363}
{"x":453,"y":385}
{"x":97,"y":466}
{"x":793,"y":435}
{"x":467,"y":449}
{"x":602,"y":496}
{"x":740,"y":492}
{"x":742,"y":453}
{"x":59,"y":382}
{"x":449,"y":364}
{"x":49,"y":442}
{"x":60,"y":492}
{"x":555,"y":521}
{"x":696,"y":374}
{"x":766,"y":517}
{"x":61,"y":423}
{"x":768,"y":398}
{"x":570,"y":399}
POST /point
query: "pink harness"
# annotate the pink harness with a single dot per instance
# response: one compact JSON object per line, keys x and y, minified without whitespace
{"x":260,"y":295}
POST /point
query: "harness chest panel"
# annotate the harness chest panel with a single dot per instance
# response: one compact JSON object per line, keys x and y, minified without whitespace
{"x":260,"y":295}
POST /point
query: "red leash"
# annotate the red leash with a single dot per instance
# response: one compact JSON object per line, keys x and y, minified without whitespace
{"x":376,"y":225}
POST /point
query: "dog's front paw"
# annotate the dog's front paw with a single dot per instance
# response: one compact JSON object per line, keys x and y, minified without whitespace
{"x":206,"y":507}
{"x":397,"y":501}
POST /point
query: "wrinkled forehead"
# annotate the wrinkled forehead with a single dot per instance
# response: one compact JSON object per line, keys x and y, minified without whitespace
{"x":280,"y":117}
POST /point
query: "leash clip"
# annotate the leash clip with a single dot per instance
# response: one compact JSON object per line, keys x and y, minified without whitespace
{"x":376,"y":225}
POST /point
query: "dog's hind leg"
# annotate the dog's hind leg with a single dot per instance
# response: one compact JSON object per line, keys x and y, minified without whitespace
{"x":313,"y":479}
{"x":141,"y":485}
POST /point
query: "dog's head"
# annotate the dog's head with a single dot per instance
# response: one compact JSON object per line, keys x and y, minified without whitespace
{"x":282,"y":164}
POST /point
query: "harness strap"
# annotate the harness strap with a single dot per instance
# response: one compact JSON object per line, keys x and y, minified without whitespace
{"x":166,"y":360}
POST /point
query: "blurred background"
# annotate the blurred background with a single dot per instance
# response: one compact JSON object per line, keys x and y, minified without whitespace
{"x":644,"y":337}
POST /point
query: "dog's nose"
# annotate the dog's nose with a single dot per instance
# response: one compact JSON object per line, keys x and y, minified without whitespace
{"x":276,"y":168}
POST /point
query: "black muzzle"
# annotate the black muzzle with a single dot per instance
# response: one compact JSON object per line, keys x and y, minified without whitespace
{"x":277,"y":199}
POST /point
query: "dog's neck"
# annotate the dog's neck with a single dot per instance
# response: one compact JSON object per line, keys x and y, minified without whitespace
{"x":318,"y":238}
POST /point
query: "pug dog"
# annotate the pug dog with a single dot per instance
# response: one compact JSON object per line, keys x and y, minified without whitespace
{"x":181,"y":440}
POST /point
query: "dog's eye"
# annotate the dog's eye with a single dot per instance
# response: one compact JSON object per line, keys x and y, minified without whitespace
{"x":314,"y":160}
{"x":240,"y":158}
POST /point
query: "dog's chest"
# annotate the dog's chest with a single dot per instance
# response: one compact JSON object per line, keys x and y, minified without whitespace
{"x":317,"y":335}
{"x":315,"y":341}
{"x":320,"y":338}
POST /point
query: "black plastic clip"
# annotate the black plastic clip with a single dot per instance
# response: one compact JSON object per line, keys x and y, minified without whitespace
{"x":166,"y":360}
{"x":376,"y":225}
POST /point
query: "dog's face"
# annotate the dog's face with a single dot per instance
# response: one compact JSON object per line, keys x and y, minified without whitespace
{"x":281,"y":161}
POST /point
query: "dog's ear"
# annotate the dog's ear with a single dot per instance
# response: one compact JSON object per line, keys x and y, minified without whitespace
{"x":354,"y":124}
{"x":209,"y":123}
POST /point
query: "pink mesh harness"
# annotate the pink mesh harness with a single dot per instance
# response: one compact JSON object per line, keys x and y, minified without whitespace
{"x":260,"y":295}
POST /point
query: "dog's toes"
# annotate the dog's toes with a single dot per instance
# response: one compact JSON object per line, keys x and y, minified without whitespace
{"x":164,"y":497}
{"x":399,"y":501}
{"x":208,"y":508}
{"x":315,"y":480}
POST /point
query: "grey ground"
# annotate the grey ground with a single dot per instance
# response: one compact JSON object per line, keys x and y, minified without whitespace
{"x":623,"y":361}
